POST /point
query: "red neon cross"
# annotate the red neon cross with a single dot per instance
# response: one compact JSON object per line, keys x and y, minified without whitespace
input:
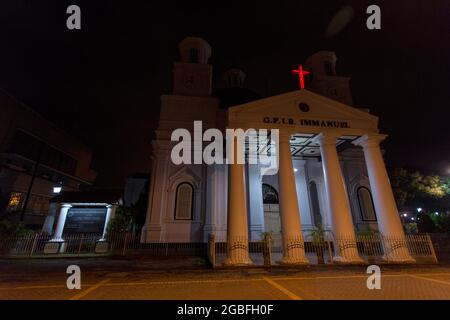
{"x":301,"y":73}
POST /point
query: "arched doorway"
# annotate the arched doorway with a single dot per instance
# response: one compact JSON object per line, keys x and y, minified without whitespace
{"x":272,"y":222}
{"x":366,"y":206}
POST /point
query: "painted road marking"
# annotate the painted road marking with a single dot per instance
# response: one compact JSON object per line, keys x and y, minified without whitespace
{"x":87,"y":291}
{"x":287,"y":292}
{"x":39,"y":287}
{"x":430,"y":279}
{"x":360,"y":276}
{"x":417,"y":275}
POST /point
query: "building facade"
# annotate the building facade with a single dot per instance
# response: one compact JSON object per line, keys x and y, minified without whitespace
{"x":30,"y":145}
{"x":330,"y":174}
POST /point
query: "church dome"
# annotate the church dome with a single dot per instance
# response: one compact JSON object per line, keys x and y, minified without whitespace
{"x":234,"y":93}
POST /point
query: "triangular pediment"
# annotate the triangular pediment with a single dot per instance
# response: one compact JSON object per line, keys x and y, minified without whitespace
{"x":301,"y":107}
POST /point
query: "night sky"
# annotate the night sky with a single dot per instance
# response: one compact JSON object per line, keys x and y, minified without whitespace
{"x":103,"y":83}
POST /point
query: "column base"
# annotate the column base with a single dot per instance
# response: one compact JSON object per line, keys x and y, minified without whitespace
{"x":237,"y":252}
{"x":102,"y":246}
{"x":293,"y":261}
{"x":346,"y":251}
{"x":55,"y":245}
{"x":343,"y":260}
{"x":396,"y":250}
{"x":294,"y":251}
{"x":398,"y":260}
{"x":230,"y":262}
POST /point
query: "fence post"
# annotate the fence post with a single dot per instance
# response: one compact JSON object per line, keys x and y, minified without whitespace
{"x":112,"y":238}
{"x":81,"y":243}
{"x":36,"y":236}
{"x":125,"y":244}
{"x":27,"y":244}
{"x":212,"y":250}
{"x":430,"y":244}
{"x":330,"y":253}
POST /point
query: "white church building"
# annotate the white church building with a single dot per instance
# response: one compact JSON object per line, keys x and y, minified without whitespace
{"x":331,"y":170}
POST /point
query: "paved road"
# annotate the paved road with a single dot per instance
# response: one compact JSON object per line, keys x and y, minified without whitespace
{"x":144,"y":279}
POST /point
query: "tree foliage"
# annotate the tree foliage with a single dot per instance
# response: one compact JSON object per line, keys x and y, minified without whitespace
{"x":425,"y":224}
{"x":12,"y":228}
{"x":408,"y":185}
{"x":443,"y":223}
{"x":433,"y":222}
{"x":122,"y":221}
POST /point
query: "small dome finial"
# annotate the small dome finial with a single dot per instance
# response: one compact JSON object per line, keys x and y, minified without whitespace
{"x":194,"y":50}
{"x":322,"y":63}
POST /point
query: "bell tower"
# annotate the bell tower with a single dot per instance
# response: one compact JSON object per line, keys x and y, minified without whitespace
{"x":193,"y":74}
{"x":323,"y":79}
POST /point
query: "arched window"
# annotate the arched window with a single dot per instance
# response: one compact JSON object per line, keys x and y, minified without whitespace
{"x":366,"y":204}
{"x":270,"y":195}
{"x":193,"y":55}
{"x":315,"y":204}
{"x":328,"y":68}
{"x":184,"y":201}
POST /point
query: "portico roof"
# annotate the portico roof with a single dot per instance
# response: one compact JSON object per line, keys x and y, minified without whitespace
{"x":302,"y":111}
{"x":304,"y":114}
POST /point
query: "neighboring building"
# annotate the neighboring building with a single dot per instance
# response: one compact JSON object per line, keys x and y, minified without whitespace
{"x":85,"y":213}
{"x":331,"y":170}
{"x":91,"y":212}
{"x":26,"y":138}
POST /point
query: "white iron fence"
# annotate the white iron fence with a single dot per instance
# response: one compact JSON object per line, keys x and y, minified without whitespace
{"x":266,"y":252}
{"x":89,"y":244}
{"x":371,"y":248}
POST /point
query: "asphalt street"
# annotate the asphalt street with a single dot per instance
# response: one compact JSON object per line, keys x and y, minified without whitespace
{"x":191,"y":279}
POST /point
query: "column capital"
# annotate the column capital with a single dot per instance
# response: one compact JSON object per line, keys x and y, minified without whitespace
{"x":325,"y":138}
{"x":109,"y":206}
{"x":66,"y":205}
{"x":369,"y":140}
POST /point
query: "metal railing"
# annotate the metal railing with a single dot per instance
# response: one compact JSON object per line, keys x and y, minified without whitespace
{"x":267,"y":251}
{"x":441,"y":243}
{"x":219,"y":250}
{"x":374,"y":248}
{"x":126,"y":244}
{"x":89,"y":244}
{"x":23,"y":245}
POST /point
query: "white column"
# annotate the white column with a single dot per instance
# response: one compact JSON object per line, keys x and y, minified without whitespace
{"x":107,"y":218}
{"x":237,"y":227}
{"x":291,"y":228}
{"x":303,"y":193}
{"x":50,"y":219}
{"x":209,"y":226}
{"x":255,"y":201}
{"x":153,"y":228}
{"x":389,"y":223}
{"x":61,"y":221}
{"x":346,"y":250}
